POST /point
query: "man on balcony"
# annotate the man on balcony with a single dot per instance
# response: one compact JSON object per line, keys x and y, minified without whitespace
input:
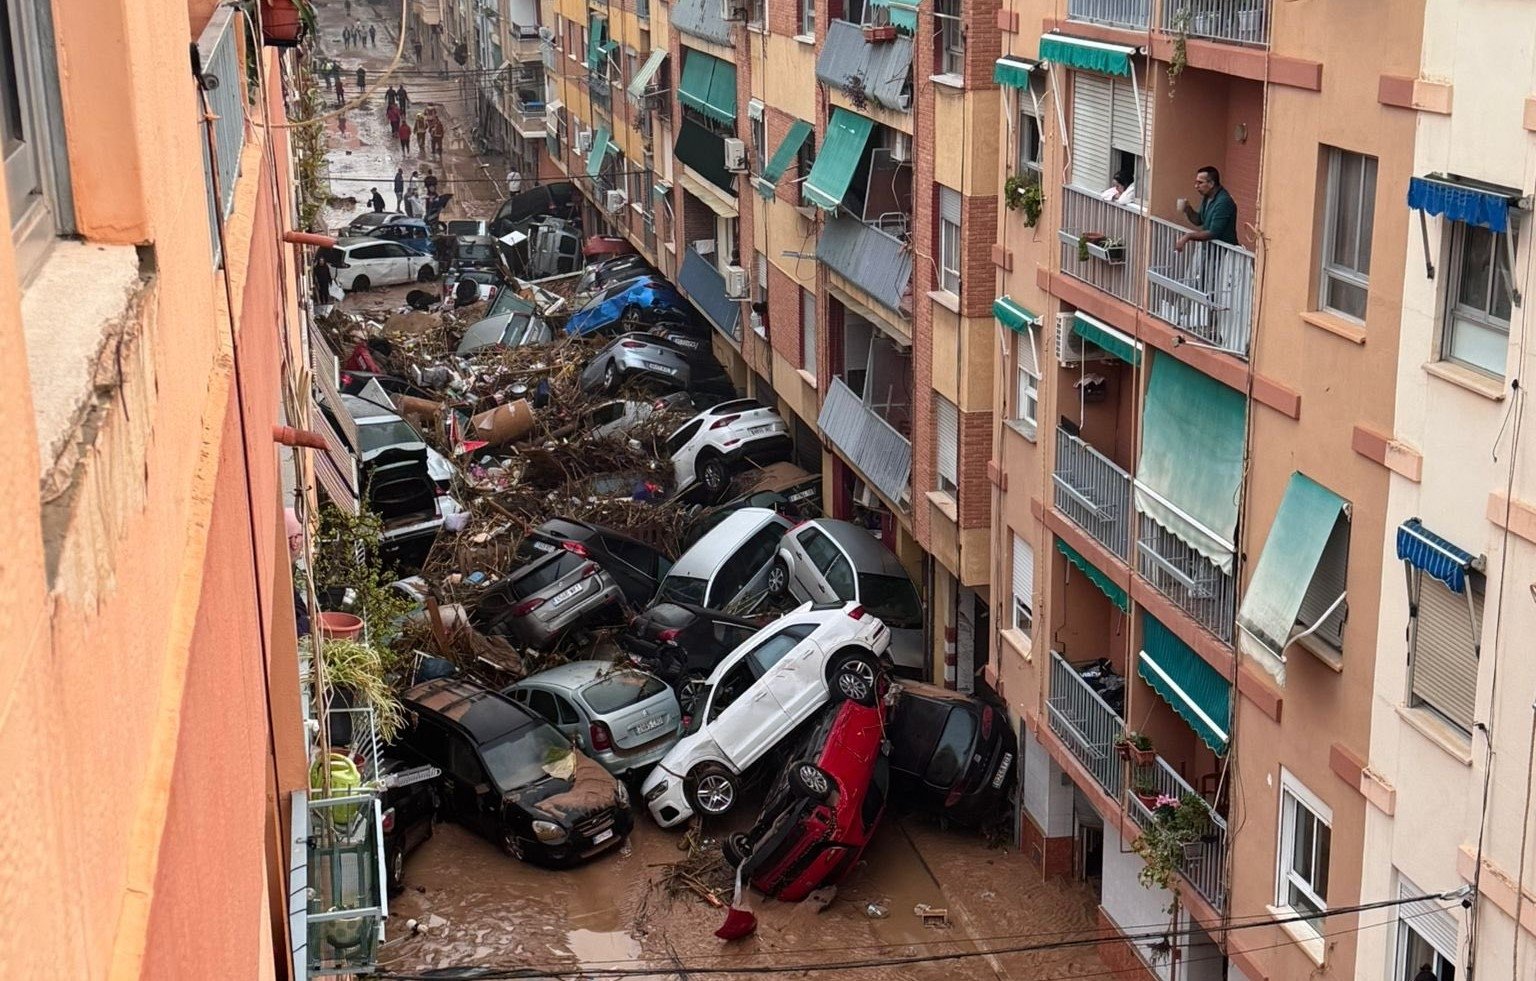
{"x":1217,"y":217}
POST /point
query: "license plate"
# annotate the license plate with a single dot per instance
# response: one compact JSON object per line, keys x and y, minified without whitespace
{"x":544,"y":546}
{"x":659,"y":367}
{"x":648,"y":725}
{"x":802,"y":495}
{"x":756,"y":430}
{"x":602,"y":836}
{"x":564,"y":595}
{"x":1002,"y":771}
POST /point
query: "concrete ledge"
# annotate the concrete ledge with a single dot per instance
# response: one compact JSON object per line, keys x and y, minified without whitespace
{"x":1257,"y":64}
{"x":1008,"y":21}
{"x":1517,"y":517}
{"x":1498,"y":887}
{"x":996,"y":475}
{"x":1529,"y":116}
{"x":1377,"y":792}
{"x":1395,"y":455}
{"x":1346,"y":765}
{"x":1419,"y":94}
{"x":1001,"y":257}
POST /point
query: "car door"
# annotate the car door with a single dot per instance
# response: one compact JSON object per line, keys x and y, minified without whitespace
{"x":739,"y":710}
{"x":744,"y":573}
{"x":635,"y":567}
{"x":400,"y":263}
{"x":474,"y":799}
{"x":552,"y":708}
{"x":366,"y":260}
{"x":788,"y":663}
{"x":827,"y":568}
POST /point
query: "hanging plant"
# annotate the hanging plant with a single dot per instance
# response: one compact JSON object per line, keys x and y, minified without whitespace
{"x":1033,"y":203}
{"x":1180,"y":58}
{"x":854,"y":89}
{"x":1176,"y":822}
{"x":364,"y":671}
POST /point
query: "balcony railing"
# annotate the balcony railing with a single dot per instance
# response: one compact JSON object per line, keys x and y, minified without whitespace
{"x":1231,"y":21}
{"x":704,"y":285}
{"x":1133,"y":14}
{"x":875,"y":261}
{"x":1086,"y":725}
{"x":601,"y":92}
{"x":1191,"y":580}
{"x":1094,"y":493}
{"x":1112,"y":259}
{"x":219,"y":48}
{"x":1204,"y":857}
{"x":344,"y":884}
{"x":882,"y":454}
{"x":1207,"y":289}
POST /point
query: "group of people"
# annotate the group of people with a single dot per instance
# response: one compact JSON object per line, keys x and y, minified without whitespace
{"x":428,"y":125}
{"x":407,"y":196}
{"x":355,"y":35}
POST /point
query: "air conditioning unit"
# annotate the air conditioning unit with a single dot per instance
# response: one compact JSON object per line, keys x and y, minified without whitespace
{"x":865,"y":497}
{"x":1071,"y":349}
{"x":900,"y":146}
{"x":735,"y":282}
{"x":614,"y":201}
{"x":733,"y":10}
{"x":735,"y":155}
{"x":583,"y":142}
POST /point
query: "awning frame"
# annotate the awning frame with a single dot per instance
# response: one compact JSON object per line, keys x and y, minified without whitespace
{"x":1096,"y":327}
{"x":1422,"y":197}
{"x":1426,"y":551}
{"x":845,"y":126}
{"x":1094,"y":55}
{"x":799,"y":131}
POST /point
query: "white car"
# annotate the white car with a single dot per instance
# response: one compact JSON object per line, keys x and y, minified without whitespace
{"x":617,"y":418}
{"x":758,"y":694}
{"x":730,"y":565}
{"x":370,"y":262}
{"x":707,"y":447}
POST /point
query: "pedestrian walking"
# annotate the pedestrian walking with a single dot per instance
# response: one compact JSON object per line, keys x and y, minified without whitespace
{"x":373,"y":35}
{"x":341,"y":94}
{"x":412,"y":203}
{"x":430,"y":183}
{"x":341,"y":124}
{"x":514,"y":181}
{"x":437,"y":138}
{"x":321,"y":282}
{"x":416,"y":47}
{"x":362,"y":80}
{"x":405,"y":101}
{"x":412,"y":184}
{"x":404,"y":132}
{"x":346,"y":37}
{"x":390,"y":97}
{"x":376,"y":202}
{"x":399,"y":189}
{"x":392,"y":114}
{"x":421,"y":136}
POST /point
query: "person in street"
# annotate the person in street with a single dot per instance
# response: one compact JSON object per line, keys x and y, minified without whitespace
{"x":514,"y":181}
{"x":404,"y":132}
{"x":392,"y":114}
{"x":416,"y":47}
{"x":405,"y":100}
{"x":376,"y":202}
{"x":1217,"y":218}
{"x":389,"y":97}
{"x":399,"y":188}
{"x":412,"y":203}
{"x":320,"y":281}
{"x":421,"y":135}
{"x":412,"y":184}
{"x":341,"y":124}
{"x":362,"y":80}
{"x":430,"y":183}
{"x":437,"y":137}
{"x":349,"y":8}
{"x":373,"y":35}
{"x":341,"y":94}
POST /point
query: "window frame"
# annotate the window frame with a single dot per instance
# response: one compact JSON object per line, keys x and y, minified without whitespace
{"x":807,"y":18}
{"x":1032,"y":165}
{"x":1026,"y":384}
{"x":949,"y":38}
{"x":757,"y":123}
{"x":946,"y":465}
{"x":951,"y":243}
{"x":1294,"y":795}
{"x":1022,"y":608}
{"x":40,"y":156}
{"x":1329,"y":271}
{"x":1451,"y":307}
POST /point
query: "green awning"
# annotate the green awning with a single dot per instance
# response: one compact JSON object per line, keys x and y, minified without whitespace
{"x":1307,"y":516}
{"x":597,"y":30}
{"x":1191,"y":471}
{"x":599,"y":151}
{"x":1116,"y":342}
{"x":1013,"y":316}
{"x":1013,"y":71}
{"x":1096,"y":576}
{"x":1197,"y":691}
{"x":788,"y":147}
{"x":708,"y":85}
{"x":642,"y":79}
{"x":903,"y":13}
{"x":847,"y":135}
{"x":1093,"y":56}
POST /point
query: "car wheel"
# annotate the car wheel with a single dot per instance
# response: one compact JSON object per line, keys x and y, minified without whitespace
{"x":712,"y":789}
{"x":712,"y":472}
{"x":778,"y":578}
{"x":630,"y":316}
{"x":854,"y":678}
{"x":611,"y":378}
{"x":689,"y":690}
{"x":427,"y":274}
{"x":810,"y":780}
{"x":360,"y":284}
{"x":396,"y":865}
{"x":737,"y":849}
{"x":513,"y":846}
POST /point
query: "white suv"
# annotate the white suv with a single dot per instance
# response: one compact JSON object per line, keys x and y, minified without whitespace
{"x":757,"y":695}
{"x":708,"y":446}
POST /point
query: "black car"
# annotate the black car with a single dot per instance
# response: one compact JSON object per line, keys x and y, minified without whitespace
{"x":409,"y":801}
{"x":681,"y":643}
{"x":511,"y":776}
{"x":475,"y":252}
{"x":950,"y":752}
{"x":558,"y":199}
{"x":637,"y":567}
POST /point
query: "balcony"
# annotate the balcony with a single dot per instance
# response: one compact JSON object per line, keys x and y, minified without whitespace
{"x":1197,"y":585}
{"x":343,"y":886}
{"x":879,"y":451}
{"x":703,"y":149}
{"x":1086,"y":725}
{"x":883,"y":69}
{"x":218,"y":46}
{"x":601,"y":93}
{"x":875,"y":261}
{"x":1101,"y":244}
{"x":1094,"y":493}
{"x":702,"y":283}
{"x":1206,"y":290}
{"x":1130,"y":14}
{"x":1227,"y":21}
{"x":1203,"y":857}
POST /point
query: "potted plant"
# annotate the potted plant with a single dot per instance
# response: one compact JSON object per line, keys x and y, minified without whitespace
{"x":1022,"y":192}
{"x":879,"y":32}
{"x":1146,"y":792}
{"x":1110,"y":250}
{"x":1137,"y":748}
{"x":285,"y":22}
{"x":1177,"y":822}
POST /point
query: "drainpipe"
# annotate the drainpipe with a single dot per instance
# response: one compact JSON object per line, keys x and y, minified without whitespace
{"x":291,"y":436}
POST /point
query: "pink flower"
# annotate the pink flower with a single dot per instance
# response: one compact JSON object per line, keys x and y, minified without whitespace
{"x":1163,"y":800}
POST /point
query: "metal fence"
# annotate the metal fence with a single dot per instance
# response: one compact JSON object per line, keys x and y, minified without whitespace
{"x":1087,"y":725}
{"x":1111,"y":259}
{"x":1116,"y":13}
{"x":1188,"y":578}
{"x":346,"y":903}
{"x":1207,"y":289}
{"x":1094,"y":493}
{"x":1233,"y":21}
{"x":224,"y":89}
{"x":1204,"y":857}
{"x":882,"y":454}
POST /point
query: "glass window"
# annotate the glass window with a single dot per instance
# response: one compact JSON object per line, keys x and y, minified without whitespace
{"x":735,"y":681}
{"x":462,"y":761}
{"x":1348,"y":219}
{"x":380,"y":251}
{"x":1305,"y":838}
{"x":526,"y":756}
{"x":947,"y":445}
{"x":546,"y":573}
{"x":748,"y":561}
{"x":950,"y":34}
{"x":1023,"y":585}
{"x":808,"y":331}
{"x":953,"y":750}
{"x":808,"y":18}
{"x":1477,"y":306}
{"x":772,"y":650}
{"x":35,"y":176}
{"x":682,"y":589}
{"x":621,"y":689}
{"x":1031,"y":141}
{"x":759,"y":140}
{"x":949,"y":240}
{"x":1415,"y":955}
{"x":542,"y":702}
{"x":820,"y":548}
{"x":891,"y":598}
{"x":1026,"y":398}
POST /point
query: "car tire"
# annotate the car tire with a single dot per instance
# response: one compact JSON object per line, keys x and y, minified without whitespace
{"x":427,"y":274}
{"x":394,"y":864}
{"x":513,"y":846}
{"x":360,"y":284}
{"x":713,"y":475}
{"x":689,"y":687}
{"x":611,"y":378}
{"x":630,"y":316}
{"x":778,"y":578}
{"x":809,"y":781}
{"x":853,"y":678}
{"x":712,"y":789}
{"x":736,"y":849}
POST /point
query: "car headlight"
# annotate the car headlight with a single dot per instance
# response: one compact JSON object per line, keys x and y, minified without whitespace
{"x":622,"y":793}
{"x":548,"y":832}
{"x":656,"y":791}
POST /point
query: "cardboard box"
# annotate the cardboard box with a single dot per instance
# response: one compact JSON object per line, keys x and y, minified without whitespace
{"x":502,"y":424}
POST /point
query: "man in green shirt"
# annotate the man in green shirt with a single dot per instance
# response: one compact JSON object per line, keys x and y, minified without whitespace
{"x":1217,"y":218}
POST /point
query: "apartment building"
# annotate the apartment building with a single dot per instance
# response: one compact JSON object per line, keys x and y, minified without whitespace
{"x":1196,"y":443}
{"x":820,"y":180}
{"x":151,"y":729}
{"x":1451,"y":723}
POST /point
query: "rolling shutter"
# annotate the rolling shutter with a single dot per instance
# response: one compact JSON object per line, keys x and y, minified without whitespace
{"x":949,"y":205}
{"x":1444,"y":666}
{"x":1023,"y":572}
{"x":1029,"y":353}
{"x":1126,"y":125}
{"x":1092,"y":112}
{"x":948,"y":428}
{"x":1428,"y":918}
{"x":1328,"y":583}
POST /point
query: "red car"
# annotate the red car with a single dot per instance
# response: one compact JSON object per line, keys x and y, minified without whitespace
{"x":824,"y":809}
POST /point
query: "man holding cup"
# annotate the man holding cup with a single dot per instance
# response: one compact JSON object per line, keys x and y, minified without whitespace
{"x":1217,"y":217}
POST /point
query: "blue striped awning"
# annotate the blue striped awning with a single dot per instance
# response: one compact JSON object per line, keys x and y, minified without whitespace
{"x":1428,"y":552}
{"x":1485,"y":205}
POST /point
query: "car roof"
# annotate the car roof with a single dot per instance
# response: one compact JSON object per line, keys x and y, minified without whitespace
{"x":866,"y":552}
{"x":574,"y":675}
{"x":705,"y":613}
{"x":704,"y":558}
{"x":476,"y":240}
{"x":353,"y":241}
{"x":483,"y":713}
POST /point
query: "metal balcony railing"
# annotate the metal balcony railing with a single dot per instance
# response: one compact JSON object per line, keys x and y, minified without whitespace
{"x":1204,"y":857}
{"x":1182,"y":574}
{"x":1086,"y":725}
{"x":1094,"y":493}
{"x":1207,"y":289}
{"x":1111,"y":259}
{"x":702,"y":283}
{"x":1133,"y":14}
{"x":219,"y":48}
{"x":344,"y":900}
{"x":882,"y":454}
{"x":1231,"y":21}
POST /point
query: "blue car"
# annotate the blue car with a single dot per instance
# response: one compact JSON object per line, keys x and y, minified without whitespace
{"x":644,"y":300}
{"x":412,"y":233}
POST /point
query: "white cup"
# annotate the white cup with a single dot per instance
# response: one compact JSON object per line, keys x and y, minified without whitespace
{"x":1182,"y":204}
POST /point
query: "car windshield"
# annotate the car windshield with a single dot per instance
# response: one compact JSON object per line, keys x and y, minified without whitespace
{"x":476,"y":252}
{"x":546,"y":574}
{"x":381,"y":436}
{"x":892,"y":599}
{"x":527,"y":756}
{"x":461,"y":226}
{"x":953,"y":751}
{"x":682,"y":589}
{"x":621,"y":689}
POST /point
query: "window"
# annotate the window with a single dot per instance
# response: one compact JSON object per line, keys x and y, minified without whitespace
{"x":1107,"y":126}
{"x":949,"y":33}
{"x":755,"y":13}
{"x":1348,"y":217}
{"x":1023,"y":586}
{"x":759,"y":135}
{"x":772,"y":650}
{"x":36,"y":175}
{"x":947,"y":450}
{"x":743,"y":567}
{"x":1426,"y":936}
{"x":808,"y":18}
{"x":1328,"y":584}
{"x":808,"y":331}
{"x":1305,"y":835}
{"x":1443,"y":639}
{"x":1477,"y":302}
{"x":1026,"y":397}
{"x":1031,"y":142}
{"x":949,"y":240}
{"x":729,"y":688}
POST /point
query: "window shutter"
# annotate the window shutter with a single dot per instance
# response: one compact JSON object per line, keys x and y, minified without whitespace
{"x":1092,"y":102}
{"x":949,"y":205}
{"x":1023,"y":572}
{"x":1327,"y":583}
{"x":1029,"y":358}
{"x":1125,"y":126}
{"x":1428,"y":918}
{"x":1444,"y":666}
{"x":948,"y":428}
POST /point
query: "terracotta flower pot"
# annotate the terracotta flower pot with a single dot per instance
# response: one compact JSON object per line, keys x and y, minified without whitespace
{"x":339,"y":626}
{"x":1148,"y":800}
{"x":282,"y":25}
{"x":1141,"y":757}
